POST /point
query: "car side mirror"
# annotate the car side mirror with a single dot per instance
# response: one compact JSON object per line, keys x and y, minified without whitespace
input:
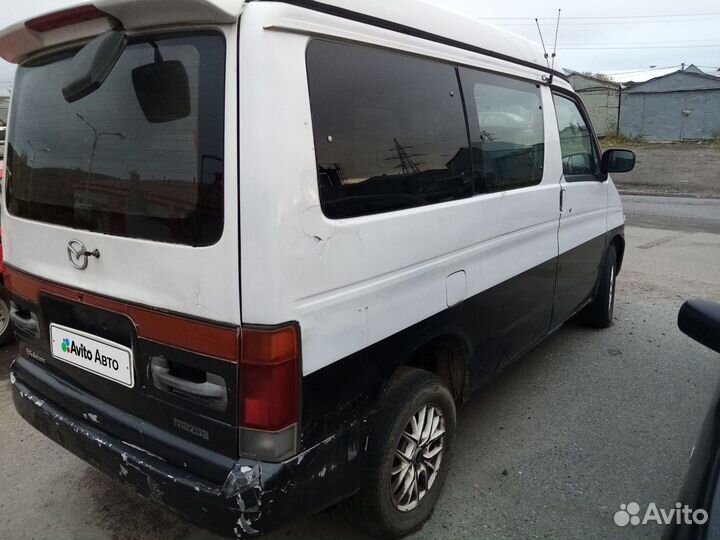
{"x":618,"y":161}
{"x":700,"y":319}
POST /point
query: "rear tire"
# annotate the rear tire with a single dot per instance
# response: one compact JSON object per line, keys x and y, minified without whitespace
{"x":599,"y":314}
{"x":7,"y":334}
{"x":414,"y":435}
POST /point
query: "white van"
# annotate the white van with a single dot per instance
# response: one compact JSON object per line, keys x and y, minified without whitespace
{"x":257,"y":251}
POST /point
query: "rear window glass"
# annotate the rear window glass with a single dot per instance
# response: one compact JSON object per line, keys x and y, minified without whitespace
{"x":100,"y":165}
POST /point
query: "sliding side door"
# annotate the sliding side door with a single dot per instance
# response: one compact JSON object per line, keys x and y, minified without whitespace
{"x":518,"y":217}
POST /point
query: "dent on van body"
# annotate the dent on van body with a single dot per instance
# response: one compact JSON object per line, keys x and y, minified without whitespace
{"x":254,"y":497}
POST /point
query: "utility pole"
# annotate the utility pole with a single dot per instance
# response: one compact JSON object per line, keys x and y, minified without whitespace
{"x":407,"y":164}
{"x":97,"y":134}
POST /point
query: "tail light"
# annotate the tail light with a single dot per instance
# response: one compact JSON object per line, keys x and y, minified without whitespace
{"x":66,"y":17}
{"x":269,"y":392}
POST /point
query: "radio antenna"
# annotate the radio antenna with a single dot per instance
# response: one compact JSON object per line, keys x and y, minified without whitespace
{"x":549,"y":78}
{"x":554,"y":53}
{"x":543,"y":42}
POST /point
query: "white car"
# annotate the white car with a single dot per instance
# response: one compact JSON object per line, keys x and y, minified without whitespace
{"x":259,"y":252}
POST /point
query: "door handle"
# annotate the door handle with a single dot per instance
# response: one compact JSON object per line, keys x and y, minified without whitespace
{"x":214,"y":389}
{"x":562,"y":200}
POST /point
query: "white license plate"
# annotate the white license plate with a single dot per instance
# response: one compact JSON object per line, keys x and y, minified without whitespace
{"x":94,"y":354}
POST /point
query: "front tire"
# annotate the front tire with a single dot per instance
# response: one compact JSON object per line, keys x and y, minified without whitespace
{"x":408,"y":456}
{"x":599,"y":313}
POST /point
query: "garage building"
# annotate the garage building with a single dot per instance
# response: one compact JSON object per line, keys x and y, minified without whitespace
{"x":601,"y":99}
{"x":680,"y":106}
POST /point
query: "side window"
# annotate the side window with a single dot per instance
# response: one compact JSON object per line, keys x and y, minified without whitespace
{"x":389,"y":130}
{"x":579,"y":155}
{"x":506,"y":129}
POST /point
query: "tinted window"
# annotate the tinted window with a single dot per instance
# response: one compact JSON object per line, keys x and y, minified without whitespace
{"x":99,"y":164}
{"x":578,"y":151}
{"x":506,"y":129}
{"x":389,"y":130}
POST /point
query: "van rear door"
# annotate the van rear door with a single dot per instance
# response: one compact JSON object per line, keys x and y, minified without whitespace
{"x":120,"y":233}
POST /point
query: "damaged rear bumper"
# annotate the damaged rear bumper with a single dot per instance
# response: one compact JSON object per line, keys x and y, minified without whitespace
{"x":256,"y":497}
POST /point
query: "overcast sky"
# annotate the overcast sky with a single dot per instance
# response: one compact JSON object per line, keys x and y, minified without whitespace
{"x":597,"y":36}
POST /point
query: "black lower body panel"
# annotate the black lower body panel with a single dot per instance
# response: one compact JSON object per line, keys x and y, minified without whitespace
{"x":254,"y":498}
{"x":493,"y":329}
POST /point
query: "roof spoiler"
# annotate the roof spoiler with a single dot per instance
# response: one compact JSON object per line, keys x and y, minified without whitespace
{"x":82,"y":22}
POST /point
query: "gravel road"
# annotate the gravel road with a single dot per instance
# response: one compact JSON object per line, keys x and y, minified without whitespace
{"x":672,"y":169}
{"x":687,"y":214}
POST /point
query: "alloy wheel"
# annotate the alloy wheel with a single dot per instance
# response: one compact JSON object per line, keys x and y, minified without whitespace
{"x":417,"y":458}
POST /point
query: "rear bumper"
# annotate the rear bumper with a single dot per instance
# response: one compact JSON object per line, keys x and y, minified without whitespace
{"x":256,"y":497}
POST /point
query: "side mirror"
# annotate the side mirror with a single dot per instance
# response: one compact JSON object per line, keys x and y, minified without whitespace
{"x":700,"y":319}
{"x":162,"y":90}
{"x":92,"y":65}
{"x":618,"y":161}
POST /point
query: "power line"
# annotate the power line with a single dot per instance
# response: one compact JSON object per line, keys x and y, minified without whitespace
{"x":647,"y":47}
{"x":644,"y":70}
{"x":604,"y":17}
{"x":656,"y":42}
{"x":669,"y":21}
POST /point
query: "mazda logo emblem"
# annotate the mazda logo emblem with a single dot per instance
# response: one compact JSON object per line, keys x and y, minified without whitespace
{"x":79,"y":255}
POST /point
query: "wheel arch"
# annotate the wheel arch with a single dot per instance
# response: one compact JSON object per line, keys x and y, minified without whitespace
{"x":448,"y":356}
{"x":618,"y":242}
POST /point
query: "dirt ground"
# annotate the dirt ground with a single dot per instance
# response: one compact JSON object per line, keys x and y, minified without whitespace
{"x":688,"y":169}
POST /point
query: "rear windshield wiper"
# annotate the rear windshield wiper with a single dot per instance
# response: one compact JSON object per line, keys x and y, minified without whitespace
{"x":92,"y":65}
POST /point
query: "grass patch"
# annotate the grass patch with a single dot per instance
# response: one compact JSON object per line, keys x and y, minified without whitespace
{"x":617,"y":140}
